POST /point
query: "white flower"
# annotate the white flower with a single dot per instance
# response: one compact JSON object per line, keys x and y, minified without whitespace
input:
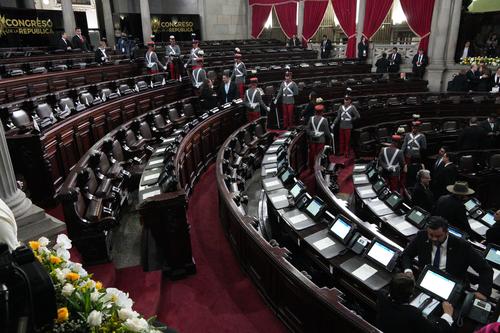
{"x":63,"y":242}
{"x":125,"y":314}
{"x":78,"y":268}
{"x":43,"y":241}
{"x":95,"y":318}
{"x":118,"y":297}
{"x":94,"y":296}
{"x":136,"y":324}
{"x":68,"y":289}
{"x":62,"y":253}
{"x":60,"y":275}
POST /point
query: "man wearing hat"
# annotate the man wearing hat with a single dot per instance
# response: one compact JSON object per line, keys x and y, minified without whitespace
{"x":151,"y":59}
{"x":414,"y":144}
{"x":253,"y":100}
{"x":194,"y":55}
{"x":239,"y":73}
{"x":346,"y":115}
{"x":288,"y":89}
{"x":173,"y":52}
{"x":453,"y":255}
{"x":198,"y":75}
{"x":451,"y":206}
{"x":318,"y":133}
{"x":392,"y":162}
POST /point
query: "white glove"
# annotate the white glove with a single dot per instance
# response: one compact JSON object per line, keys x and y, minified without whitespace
{"x":275,"y":101}
{"x":164,"y":68}
{"x":268,"y":109}
{"x":185,"y":65}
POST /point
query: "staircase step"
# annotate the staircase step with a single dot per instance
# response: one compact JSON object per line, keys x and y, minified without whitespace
{"x":144,"y":288}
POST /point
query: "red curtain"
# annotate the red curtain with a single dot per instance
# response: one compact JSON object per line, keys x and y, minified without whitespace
{"x":314,"y":11}
{"x":375,"y":13}
{"x":260,"y":14}
{"x":419,"y":18}
{"x":345,"y":10}
{"x":287,"y":17}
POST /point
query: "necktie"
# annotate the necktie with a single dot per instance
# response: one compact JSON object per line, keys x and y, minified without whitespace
{"x":437,"y":257}
{"x":438,"y":162}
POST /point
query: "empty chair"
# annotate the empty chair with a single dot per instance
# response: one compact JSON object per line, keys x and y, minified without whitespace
{"x":383,"y":134}
{"x":412,"y":100}
{"x":125,"y":89}
{"x":160,"y":123}
{"x":45,"y":115}
{"x":157,"y":80}
{"x":301,"y":85}
{"x":432,"y":99}
{"x":173,"y":115}
{"x":350,"y":82}
{"x":65,"y":107}
{"x":188,"y":110}
{"x":466,"y":163}
{"x":455,"y":99}
{"x":107,"y":93}
{"x":373,"y":103}
{"x":146,"y":132}
{"x":393,"y":101}
{"x":478,"y":99}
{"x":86,"y":98}
{"x":366,"y":144}
{"x":335,"y":82}
{"x":21,"y":120}
{"x":449,"y":126}
{"x":367,"y":80}
{"x":426,"y":127}
{"x":132,"y":141}
{"x":495,"y":161}
{"x":141,"y":85}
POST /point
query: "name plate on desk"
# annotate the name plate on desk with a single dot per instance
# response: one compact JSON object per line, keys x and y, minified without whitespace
{"x":160,"y":150}
{"x":297,"y":218}
{"x":364,"y":272}
{"x":156,"y":161}
{"x":278,"y":198}
{"x":271,"y":170}
{"x":272,"y":158}
{"x":151,"y":177}
{"x":323,"y":243}
{"x":150,"y":194}
{"x":272,"y":183}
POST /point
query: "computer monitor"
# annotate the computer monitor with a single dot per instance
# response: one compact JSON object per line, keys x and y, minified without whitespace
{"x":417,"y":216}
{"x":492,"y":255}
{"x":379,"y":185}
{"x":382,"y":254}
{"x":286,"y":176}
{"x":342,"y":229}
{"x":471,"y":204}
{"x":297,"y":189}
{"x":315,"y":208}
{"x":438,"y":284}
{"x":394,"y":200}
{"x":371,"y":173}
{"x":488,"y":218}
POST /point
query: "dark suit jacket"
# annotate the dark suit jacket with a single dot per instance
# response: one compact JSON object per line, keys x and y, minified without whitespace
{"x":472,"y":137}
{"x":63,"y":44}
{"x":493,"y":140}
{"x":362,"y":47}
{"x":459,"y":256}
{"x":459,"y":83}
{"x":393,"y":317}
{"x":423,"y":197}
{"x":208,"y":97}
{"x":472,"y":79}
{"x":382,"y":65}
{"x":425,"y":62}
{"x":98,"y":56}
{"x":394,"y":64}
{"x":444,"y":177}
{"x":294,"y":42}
{"x":493,"y":234}
{"x":79,"y":44}
{"x":328,"y":48}
{"x":453,"y":210}
{"x":493,"y":81}
{"x":233,"y":93}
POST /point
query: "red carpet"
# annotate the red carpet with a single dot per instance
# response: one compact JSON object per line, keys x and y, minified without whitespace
{"x":219,"y":297}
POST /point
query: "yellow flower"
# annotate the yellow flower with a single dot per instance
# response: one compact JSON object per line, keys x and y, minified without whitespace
{"x":34,"y":245}
{"x":38,"y":257}
{"x":98,"y":285}
{"x":62,"y":314}
{"x":55,"y":260}
{"x":72,"y":276}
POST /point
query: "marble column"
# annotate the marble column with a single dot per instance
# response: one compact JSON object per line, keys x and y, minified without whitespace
{"x":361,"y":22}
{"x":108,"y":22}
{"x":454,"y":27}
{"x":300,"y":17}
{"x":146,"y":20}
{"x":68,"y":17}
{"x":9,"y":193}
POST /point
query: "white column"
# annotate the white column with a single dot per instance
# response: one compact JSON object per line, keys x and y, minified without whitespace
{"x":361,"y":22}
{"x":68,"y":17}
{"x":453,"y":31}
{"x":249,"y":20}
{"x":300,"y":17}
{"x":9,"y":193}
{"x":108,"y":22}
{"x":146,"y":20}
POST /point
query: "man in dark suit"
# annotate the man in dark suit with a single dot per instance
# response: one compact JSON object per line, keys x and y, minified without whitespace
{"x":382,"y":64}
{"x":459,"y":82}
{"x":493,"y":233}
{"x":492,"y":129}
{"x":326,"y":47}
{"x":451,"y":254}
{"x":422,"y":195}
{"x":495,"y":79}
{"x":363,"y":48}
{"x":420,"y":61}
{"x":447,"y":175}
{"x":394,"y":61}
{"x":294,"y":42}
{"x":79,"y":41}
{"x":472,"y":137}
{"x":63,"y":43}
{"x":452,"y":208}
{"x":473,"y":76}
{"x":100,"y":53}
{"x":395,"y":315}
{"x":227,"y":90}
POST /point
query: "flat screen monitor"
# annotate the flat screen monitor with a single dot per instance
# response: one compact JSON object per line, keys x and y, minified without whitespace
{"x":493,"y":255}
{"x":379,"y":185}
{"x":381,"y":254}
{"x":314,"y":207}
{"x":285,"y":176}
{"x":436,"y":283}
{"x":371,"y":173}
{"x":488,"y":218}
{"x":394,"y":200}
{"x":417,"y":216}
{"x":297,"y":190}
{"x":471,"y":204}
{"x":341,"y":228}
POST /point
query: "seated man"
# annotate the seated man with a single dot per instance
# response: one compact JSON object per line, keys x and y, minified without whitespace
{"x":394,"y":314}
{"x":453,"y":255}
{"x":493,"y":233}
{"x":422,"y":195}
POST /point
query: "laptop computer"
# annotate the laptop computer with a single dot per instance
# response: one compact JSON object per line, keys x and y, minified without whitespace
{"x":417,"y":216}
{"x":377,"y":206}
{"x":331,"y":241}
{"x":438,"y":284}
{"x":373,"y":268}
{"x":272,"y":169}
{"x":273,"y":158}
{"x":298,"y":219}
{"x":365,"y":191}
{"x":272,"y":184}
{"x":394,"y":201}
{"x":400,"y":224}
{"x":279,"y":198}
{"x":488,"y":218}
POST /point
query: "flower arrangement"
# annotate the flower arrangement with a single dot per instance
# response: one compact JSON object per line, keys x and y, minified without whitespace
{"x":84,"y":305}
{"x":480,"y":60}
